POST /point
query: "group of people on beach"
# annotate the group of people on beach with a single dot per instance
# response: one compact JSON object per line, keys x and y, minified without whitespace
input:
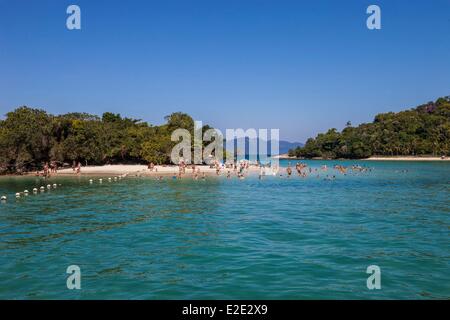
{"x":239,"y":169}
{"x":242,"y":168}
{"x":49,"y":169}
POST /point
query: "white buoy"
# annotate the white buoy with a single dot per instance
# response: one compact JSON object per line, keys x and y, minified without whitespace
{"x":35,"y":190}
{"x":25,"y":192}
{"x":109,"y":179}
{"x":17,"y":195}
{"x":49,"y":186}
{"x":100,"y":180}
{"x":42,"y":189}
{"x":3,"y":198}
{"x":115,"y":178}
{"x":90,"y":181}
{"x":55,"y":185}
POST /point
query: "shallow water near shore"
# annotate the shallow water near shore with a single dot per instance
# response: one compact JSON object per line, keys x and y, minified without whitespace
{"x":275,"y":238}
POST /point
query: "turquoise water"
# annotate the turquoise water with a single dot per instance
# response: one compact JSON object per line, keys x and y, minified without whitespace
{"x":276,"y":238}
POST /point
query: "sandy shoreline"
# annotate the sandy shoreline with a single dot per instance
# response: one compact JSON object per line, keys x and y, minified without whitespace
{"x":140,"y":170}
{"x":407,"y":158}
{"x":374,"y":158}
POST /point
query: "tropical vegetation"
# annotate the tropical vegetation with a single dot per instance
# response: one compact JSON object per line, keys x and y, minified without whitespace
{"x":424,"y":130}
{"x":31,"y":137}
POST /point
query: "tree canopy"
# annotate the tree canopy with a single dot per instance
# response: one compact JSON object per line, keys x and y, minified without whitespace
{"x":424,"y":130}
{"x":30,"y":137}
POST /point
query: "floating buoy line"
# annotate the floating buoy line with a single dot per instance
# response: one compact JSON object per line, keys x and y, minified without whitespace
{"x":53,"y":186}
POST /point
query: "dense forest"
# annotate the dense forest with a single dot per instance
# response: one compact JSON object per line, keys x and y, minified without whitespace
{"x":30,"y":137}
{"x":424,"y":130}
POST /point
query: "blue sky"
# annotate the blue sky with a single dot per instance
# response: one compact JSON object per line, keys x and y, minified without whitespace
{"x":301,"y":66}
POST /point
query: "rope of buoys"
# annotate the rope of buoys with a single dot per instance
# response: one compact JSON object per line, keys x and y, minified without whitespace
{"x":110,"y":179}
{"x":18,"y":195}
{"x":49,"y":187}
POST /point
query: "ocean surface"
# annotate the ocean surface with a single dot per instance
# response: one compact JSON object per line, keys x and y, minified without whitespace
{"x":275,"y":238}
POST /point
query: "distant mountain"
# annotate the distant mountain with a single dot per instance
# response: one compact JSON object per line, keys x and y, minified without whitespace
{"x":284,"y":146}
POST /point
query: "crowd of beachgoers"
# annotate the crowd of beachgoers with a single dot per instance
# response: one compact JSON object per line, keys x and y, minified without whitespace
{"x":243,"y":168}
{"x":237,"y":169}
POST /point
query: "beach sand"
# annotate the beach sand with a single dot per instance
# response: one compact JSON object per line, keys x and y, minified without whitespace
{"x":142,"y":170}
{"x":377,"y":158}
{"x":407,"y":158}
{"x":139,"y":170}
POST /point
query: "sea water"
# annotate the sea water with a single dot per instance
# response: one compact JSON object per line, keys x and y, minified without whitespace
{"x":274,"y":238}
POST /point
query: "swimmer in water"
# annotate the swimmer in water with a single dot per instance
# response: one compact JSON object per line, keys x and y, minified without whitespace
{"x":289,"y":171}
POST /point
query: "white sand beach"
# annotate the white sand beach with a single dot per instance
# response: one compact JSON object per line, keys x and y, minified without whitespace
{"x":136,"y":169}
{"x":116,"y":169}
{"x":378,"y":158}
{"x":407,"y":158}
{"x":283,"y":156}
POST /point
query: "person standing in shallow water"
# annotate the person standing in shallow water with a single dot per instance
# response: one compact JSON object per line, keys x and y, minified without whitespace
{"x":46,"y":172}
{"x":289,"y":170}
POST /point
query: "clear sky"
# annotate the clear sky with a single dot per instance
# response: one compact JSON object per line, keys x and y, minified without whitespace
{"x":301,"y":66}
